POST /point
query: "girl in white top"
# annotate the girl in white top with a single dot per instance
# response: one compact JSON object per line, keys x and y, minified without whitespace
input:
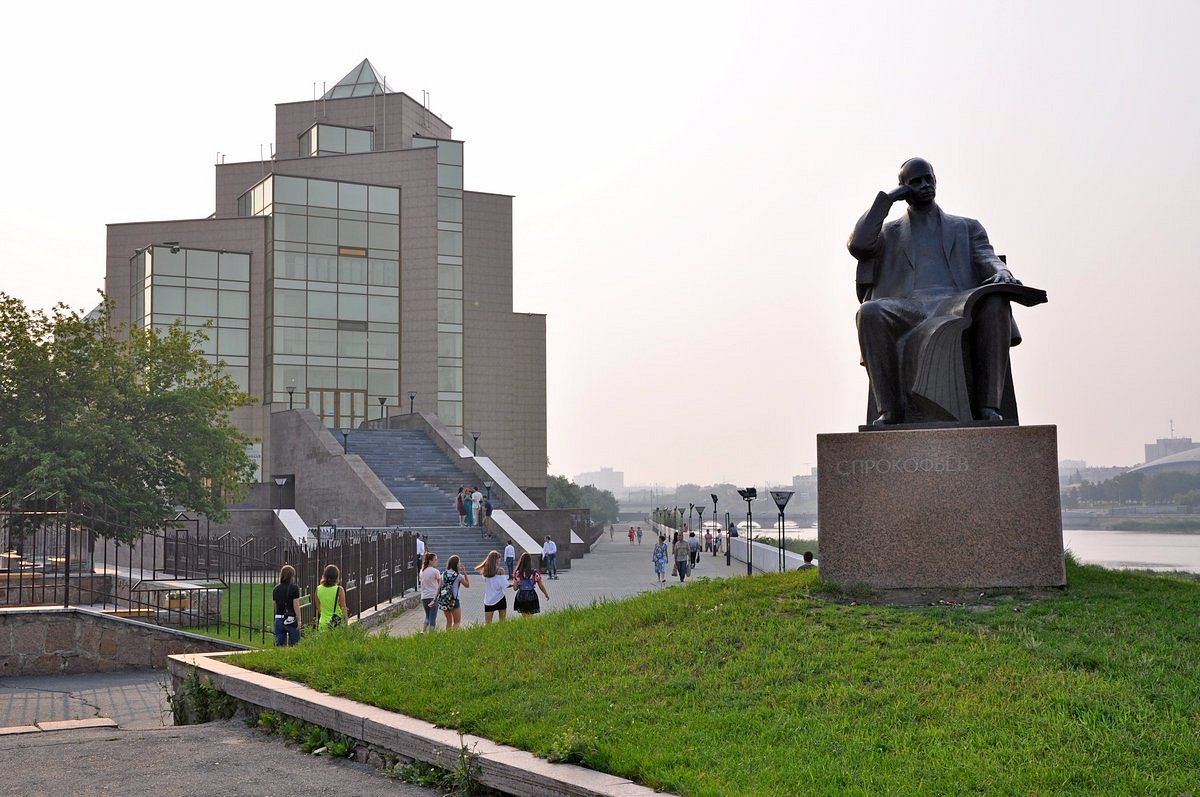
{"x":430,"y":579}
{"x":494,"y":584}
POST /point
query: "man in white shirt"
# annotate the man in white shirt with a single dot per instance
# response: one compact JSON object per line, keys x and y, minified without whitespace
{"x":420,"y":550}
{"x":550,"y":557}
{"x":510,"y":559}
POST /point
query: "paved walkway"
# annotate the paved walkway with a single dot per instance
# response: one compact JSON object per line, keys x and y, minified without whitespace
{"x":612,"y":569}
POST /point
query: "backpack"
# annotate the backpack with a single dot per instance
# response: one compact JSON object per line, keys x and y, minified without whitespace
{"x":448,"y":593}
{"x":526,"y":599}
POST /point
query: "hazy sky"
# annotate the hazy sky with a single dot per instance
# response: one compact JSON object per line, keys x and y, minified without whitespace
{"x":686,"y":175}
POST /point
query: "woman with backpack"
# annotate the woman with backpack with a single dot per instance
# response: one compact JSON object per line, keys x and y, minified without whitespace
{"x":447,"y":597}
{"x":329,"y":600}
{"x":430,"y":579}
{"x":525,"y":579}
{"x":494,"y":584}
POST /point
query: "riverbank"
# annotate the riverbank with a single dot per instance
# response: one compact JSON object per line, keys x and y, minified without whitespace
{"x":1122,"y":520}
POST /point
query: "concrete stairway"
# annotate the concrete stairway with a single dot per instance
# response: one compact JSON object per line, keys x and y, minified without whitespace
{"x":425,"y":480}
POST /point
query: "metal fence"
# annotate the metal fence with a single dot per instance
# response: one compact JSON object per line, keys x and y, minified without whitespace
{"x":53,"y":552}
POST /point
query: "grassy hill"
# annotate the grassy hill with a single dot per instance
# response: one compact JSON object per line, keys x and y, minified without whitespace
{"x":778,"y":685}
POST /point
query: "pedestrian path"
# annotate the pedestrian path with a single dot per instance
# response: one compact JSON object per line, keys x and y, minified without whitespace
{"x":612,"y":569}
{"x":130,"y":700}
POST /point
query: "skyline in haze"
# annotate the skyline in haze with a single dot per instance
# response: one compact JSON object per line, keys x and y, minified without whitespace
{"x":685,"y":177}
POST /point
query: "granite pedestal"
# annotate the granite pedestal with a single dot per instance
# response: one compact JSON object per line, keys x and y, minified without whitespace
{"x":951,"y":507}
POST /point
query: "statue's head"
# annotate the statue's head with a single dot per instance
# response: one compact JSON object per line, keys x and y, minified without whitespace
{"x":917,"y":174}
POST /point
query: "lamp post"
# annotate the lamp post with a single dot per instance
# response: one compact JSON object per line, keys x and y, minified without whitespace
{"x":475,"y":443}
{"x":487,"y":483}
{"x":412,"y":396}
{"x":728,"y":540}
{"x":691,"y":508}
{"x":713,"y":496}
{"x":382,"y":401}
{"x":679,"y":514}
{"x":700,"y":514}
{"x":291,"y":389}
{"x":781,"y":497}
{"x":748,"y":494}
{"x":345,"y":440}
{"x":279,"y":482}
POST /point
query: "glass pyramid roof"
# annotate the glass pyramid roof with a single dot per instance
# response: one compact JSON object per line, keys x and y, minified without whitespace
{"x":362,"y":81}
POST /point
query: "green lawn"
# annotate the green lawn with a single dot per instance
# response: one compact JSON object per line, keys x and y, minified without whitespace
{"x":247,"y":614}
{"x":767,"y":686}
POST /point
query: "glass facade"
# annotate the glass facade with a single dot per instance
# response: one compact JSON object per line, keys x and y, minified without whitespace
{"x":335,"y":140}
{"x":206,"y":291}
{"x":450,"y":279}
{"x":333,"y":295}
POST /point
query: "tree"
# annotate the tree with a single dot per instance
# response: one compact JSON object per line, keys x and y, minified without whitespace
{"x":129,"y":422}
{"x":562,"y":493}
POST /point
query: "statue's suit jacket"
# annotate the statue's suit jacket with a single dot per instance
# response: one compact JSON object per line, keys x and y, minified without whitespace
{"x":884,"y":253}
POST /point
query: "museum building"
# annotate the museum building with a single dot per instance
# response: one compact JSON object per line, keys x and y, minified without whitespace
{"x":354,"y":276}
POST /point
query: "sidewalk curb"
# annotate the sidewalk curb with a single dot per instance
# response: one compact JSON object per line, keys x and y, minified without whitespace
{"x":507,"y":769}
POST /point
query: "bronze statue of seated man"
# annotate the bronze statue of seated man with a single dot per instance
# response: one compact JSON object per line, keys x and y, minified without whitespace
{"x":935,"y":325}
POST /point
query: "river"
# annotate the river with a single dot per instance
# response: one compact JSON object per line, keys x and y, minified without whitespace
{"x":1120,"y":550}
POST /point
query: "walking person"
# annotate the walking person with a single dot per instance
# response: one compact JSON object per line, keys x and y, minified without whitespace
{"x":681,"y":551}
{"x":487,"y":516}
{"x":639,"y":535}
{"x":287,"y":608}
{"x":550,"y":557}
{"x":660,"y":559}
{"x":525,"y":579}
{"x":717,"y":542}
{"x":329,"y":599}
{"x":631,"y":535}
{"x":510,"y":558}
{"x":708,"y":540}
{"x":693,"y":550}
{"x":461,"y":507}
{"x":477,"y":506}
{"x":494,"y":584}
{"x":469,"y":506}
{"x":447,"y":596}
{"x":430,"y":579}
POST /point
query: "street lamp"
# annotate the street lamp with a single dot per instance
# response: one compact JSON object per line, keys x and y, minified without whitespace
{"x":382,"y":401}
{"x":487,"y":483}
{"x":345,"y":439}
{"x":475,"y":444}
{"x":279,"y":482}
{"x":713,"y":496}
{"x":291,"y":389}
{"x":748,"y":494}
{"x":412,"y":396}
{"x":728,"y":540}
{"x":691,"y":508}
{"x":781,"y":498}
{"x":700,"y":514}
{"x":679,"y":523}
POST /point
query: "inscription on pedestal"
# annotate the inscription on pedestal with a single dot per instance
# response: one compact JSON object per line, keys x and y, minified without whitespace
{"x":954,"y":507}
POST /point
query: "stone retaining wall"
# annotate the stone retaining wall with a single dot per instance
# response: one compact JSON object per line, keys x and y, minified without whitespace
{"x":52,"y":640}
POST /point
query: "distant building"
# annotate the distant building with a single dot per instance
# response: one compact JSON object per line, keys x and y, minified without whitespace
{"x":352,"y":275}
{"x":805,"y":487}
{"x":1165,"y":447}
{"x":1181,"y":462}
{"x":1076,"y":471}
{"x":603,"y":479}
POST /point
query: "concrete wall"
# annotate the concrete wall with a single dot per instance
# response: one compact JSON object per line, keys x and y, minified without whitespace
{"x":328,"y":484}
{"x":555,"y":522}
{"x":52,"y":641}
{"x":528,"y":362}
